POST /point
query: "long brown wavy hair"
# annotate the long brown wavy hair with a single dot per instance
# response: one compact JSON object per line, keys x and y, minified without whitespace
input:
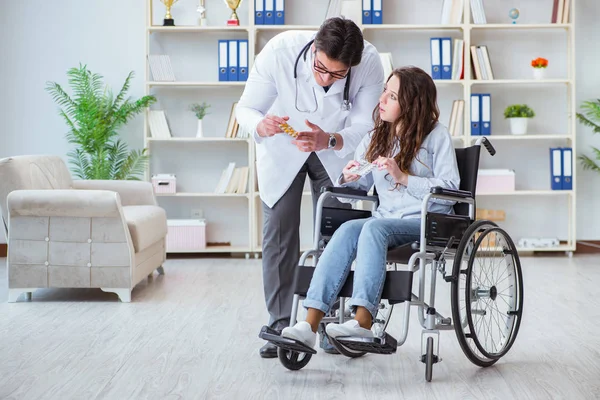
{"x":419,"y":113}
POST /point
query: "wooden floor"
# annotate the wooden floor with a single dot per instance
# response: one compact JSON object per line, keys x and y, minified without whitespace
{"x":192,"y":334}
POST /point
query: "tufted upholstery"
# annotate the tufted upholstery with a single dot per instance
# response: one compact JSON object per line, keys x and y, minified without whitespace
{"x":64,"y":233}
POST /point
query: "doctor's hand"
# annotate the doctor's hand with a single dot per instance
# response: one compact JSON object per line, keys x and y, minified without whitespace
{"x":393,"y":169}
{"x":349,"y":176}
{"x":313,"y":140}
{"x":269,"y":125}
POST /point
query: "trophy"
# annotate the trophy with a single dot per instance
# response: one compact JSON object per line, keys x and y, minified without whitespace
{"x":233,"y":4}
{"x":168,"y":21}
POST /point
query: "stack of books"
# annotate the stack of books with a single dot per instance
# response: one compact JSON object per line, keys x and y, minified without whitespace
{"x":233,"y":180}
{"x":160,"y":68}
{"x":455,"y":127}
{"x":480,"y":60}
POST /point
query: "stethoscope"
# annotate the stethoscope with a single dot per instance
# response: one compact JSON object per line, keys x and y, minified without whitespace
{"x":346,"y":104}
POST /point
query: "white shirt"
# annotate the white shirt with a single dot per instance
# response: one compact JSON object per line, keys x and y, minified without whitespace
{"x":435,"y":165}
{"x":271,"y":89}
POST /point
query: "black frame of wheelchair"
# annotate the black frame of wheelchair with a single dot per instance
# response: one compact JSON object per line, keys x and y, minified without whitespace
{"x":441,"y":235}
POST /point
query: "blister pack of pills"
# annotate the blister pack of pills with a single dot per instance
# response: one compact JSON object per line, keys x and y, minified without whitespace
{"x":289,"y":130}
{"x":363,"y":169}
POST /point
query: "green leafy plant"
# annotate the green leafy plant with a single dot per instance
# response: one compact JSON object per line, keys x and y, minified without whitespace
{"x":94,"y":115}
{"x":200,"y":109}
{"x":590,"y":118}
{"x":518,"y":111}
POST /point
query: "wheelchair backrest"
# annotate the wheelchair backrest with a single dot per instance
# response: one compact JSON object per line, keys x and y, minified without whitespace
{"x":468,"y":165}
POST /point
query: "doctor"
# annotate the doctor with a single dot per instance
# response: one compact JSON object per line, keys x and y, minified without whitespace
{"x":325,"y":85}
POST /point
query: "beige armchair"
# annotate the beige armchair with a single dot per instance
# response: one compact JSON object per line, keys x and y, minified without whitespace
{"x":65,"y":233}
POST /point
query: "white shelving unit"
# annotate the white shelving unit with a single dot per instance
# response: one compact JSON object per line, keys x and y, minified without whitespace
{"x":408,"y":25}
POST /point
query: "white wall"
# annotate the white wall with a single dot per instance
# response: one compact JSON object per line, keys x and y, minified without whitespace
{"x":41,"y":40}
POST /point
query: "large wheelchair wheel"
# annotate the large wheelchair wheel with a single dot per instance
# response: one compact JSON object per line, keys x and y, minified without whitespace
{"x":487,"y":293}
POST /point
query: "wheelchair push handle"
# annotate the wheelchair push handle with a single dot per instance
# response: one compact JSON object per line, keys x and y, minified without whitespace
{"x":487,"y":144}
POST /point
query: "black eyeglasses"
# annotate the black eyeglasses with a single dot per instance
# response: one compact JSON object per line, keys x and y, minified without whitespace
{"x":321,"y":70}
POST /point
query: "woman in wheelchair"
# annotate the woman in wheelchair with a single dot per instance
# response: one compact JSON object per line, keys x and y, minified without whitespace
{"x":411,"y":152}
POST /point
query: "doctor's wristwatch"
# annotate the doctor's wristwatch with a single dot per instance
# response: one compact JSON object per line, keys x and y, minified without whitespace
{"x":332,"y":141}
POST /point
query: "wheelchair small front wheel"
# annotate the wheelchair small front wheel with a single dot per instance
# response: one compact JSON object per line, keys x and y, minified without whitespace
{"x":487,"y":293}
{"x":429,"y":360}
{"x":293,"y":360}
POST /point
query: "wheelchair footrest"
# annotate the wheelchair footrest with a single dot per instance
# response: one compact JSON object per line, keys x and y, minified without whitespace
{"x":273,"y":336}
{"x":379,"y":345}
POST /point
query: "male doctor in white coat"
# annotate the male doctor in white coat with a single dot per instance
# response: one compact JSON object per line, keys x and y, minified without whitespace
{"x":325,"y":85}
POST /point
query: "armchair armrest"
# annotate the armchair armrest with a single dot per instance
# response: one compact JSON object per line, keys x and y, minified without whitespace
{"x":63,"y":203}
{"x":132,"y":193}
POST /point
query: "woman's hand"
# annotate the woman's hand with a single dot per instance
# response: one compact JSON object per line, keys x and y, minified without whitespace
{"x":392,"y":168}
{"x":349,"y":176}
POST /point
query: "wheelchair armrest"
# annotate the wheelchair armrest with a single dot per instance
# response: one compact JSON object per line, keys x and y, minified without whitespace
{"x":463,"y":194}
{"x":344,"y":190}
{"x":349,"y":193}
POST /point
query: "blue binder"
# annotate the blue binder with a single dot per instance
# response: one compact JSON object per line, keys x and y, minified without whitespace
{"x":446,"y":52}
{"x":376,"y":12}
{"x":436,"y":58}
{"x":486,"y":113}
{"x":243,"y":57}
{"x":232,"y":75}
{"x":269,"y":12}
{"x":223,"y":52}
{"x":475,"y":114}
{"x":567,"y":168}
{"x":367,"y":17}
{"x":556,"y":168}
{"x":279,"y":12}
{"x":259,"y":12}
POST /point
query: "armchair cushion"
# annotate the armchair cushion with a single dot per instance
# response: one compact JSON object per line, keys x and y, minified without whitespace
{"x":147,"y":225}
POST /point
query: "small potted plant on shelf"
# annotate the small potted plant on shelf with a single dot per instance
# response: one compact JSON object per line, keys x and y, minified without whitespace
{"x":518,"y":114}
{"x":539,"y":67}
{"x":200,"y":111}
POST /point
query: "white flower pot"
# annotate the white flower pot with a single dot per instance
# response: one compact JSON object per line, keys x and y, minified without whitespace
{"x":539,"y":73}
{"x":199,"y":131}
{"x":518,"y":126}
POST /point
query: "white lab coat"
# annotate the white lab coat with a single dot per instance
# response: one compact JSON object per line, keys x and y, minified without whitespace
{"x":271,"y":89}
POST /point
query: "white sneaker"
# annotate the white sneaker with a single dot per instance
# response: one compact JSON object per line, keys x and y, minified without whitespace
{"x":348,"y":328}
{"x":302,"y":332}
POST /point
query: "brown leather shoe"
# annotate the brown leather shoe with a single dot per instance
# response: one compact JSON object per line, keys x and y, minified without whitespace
{"x":269,"y":350}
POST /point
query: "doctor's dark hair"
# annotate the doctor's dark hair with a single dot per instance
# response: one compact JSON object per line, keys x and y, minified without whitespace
{"x":419,"y":113}
{"x":341,"y":40}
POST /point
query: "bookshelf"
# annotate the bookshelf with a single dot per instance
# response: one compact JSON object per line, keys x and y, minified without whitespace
{"x":533,"y":210}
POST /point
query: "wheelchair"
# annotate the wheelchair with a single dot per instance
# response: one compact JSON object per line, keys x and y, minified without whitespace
{"x":486,"y":279}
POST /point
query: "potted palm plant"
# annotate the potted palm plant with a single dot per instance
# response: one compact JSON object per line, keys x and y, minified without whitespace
{"x":518,"y":115}
{"x":94,"y":116}
{"x":200,"y":111}
{"x":590,"y":118}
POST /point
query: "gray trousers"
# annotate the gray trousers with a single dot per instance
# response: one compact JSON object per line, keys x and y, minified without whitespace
{"x":281,"y":239}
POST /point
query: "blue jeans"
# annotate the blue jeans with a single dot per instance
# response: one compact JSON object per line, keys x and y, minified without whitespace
{"x":367,"y":240}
